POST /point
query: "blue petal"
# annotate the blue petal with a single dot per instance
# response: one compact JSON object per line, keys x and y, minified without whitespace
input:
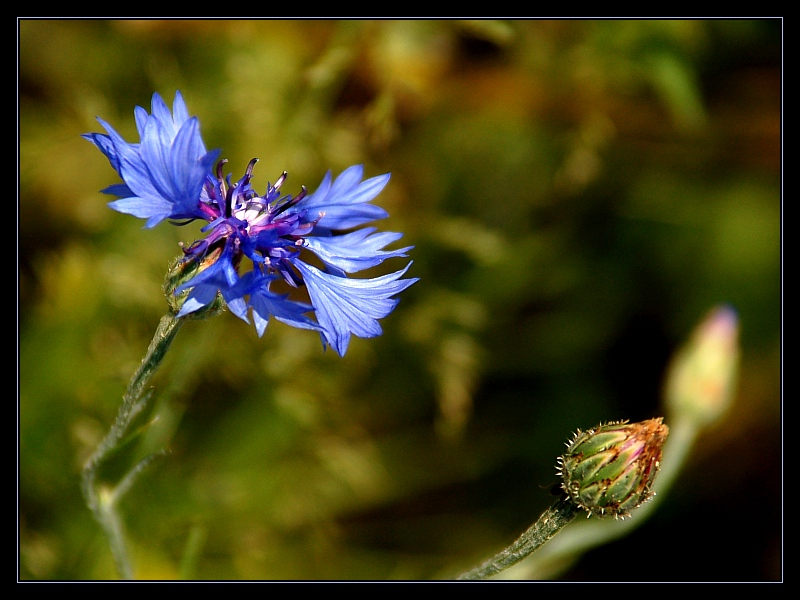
{"x":344,"y":203}
{"x":106,"y":146}
{"x":176,"y":166}
{"x":165,"y":173}
{"x":141,"y":117}
{"x":120,"y":190}
{"x":266,"y":304}
{"x":161,"y":115}
{"x":153,"y":209}
{"x":355,"y":251}
{"x":189,"y":173}
{"x":179,"y":111}
{"x":351,"y":306}
{"x":219,"y":277}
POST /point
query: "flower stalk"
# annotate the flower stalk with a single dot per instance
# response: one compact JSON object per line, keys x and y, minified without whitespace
{"x":103,"y":498}
{"x":169,"y":175}
{"x":549,"y":524}
{"x":607,"y":471}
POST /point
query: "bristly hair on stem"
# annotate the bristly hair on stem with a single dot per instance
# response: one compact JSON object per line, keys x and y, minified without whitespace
{"x":103,"y":498}
{"x":607,"y":471}
{"x":549,"y":524}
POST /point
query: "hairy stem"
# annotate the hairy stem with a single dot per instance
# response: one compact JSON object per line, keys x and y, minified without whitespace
{"x":551,"y":521}
{"x":102,"y":500}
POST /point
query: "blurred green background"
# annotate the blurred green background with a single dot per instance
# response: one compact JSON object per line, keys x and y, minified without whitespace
{"x":579,"y":194}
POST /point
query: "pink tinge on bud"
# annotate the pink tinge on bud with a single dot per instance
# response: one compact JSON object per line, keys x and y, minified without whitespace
{"x":720,"y":327}
{"x":702,"y":374}
{"x":609,"y":470}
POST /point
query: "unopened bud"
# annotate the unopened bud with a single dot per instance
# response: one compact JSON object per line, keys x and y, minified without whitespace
{"x":609,"y":470}
{"x":702,"y":375}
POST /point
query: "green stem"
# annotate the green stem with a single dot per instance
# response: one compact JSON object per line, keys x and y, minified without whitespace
{"x":551,"y":521}
{"x":103,"y":500}
{"x":586,"y":534}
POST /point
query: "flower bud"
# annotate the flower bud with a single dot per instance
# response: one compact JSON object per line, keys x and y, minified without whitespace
{"x":702,"y":375}
{"x":609,"y":470}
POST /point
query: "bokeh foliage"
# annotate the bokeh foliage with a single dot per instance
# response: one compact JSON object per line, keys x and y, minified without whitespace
{"x":579,"y":193}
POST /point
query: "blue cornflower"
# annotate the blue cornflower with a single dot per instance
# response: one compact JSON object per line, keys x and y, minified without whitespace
{"x":169,"y":174}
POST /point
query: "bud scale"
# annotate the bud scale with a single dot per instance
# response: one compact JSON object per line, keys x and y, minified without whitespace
{"x":609,"y":470}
